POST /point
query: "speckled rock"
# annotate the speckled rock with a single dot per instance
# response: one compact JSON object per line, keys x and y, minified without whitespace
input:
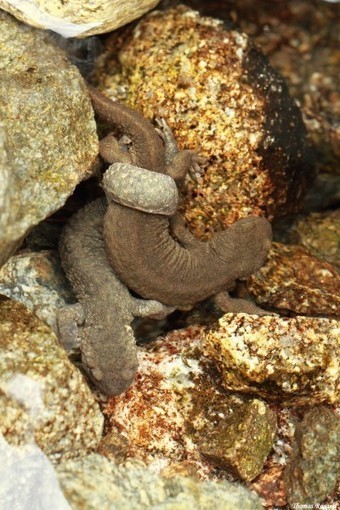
{"x":47,"y":130}
{"x":218,"y":93}
{"x":177,"y":408}
{"x":36,"y":280}
{"x":294,"y":279}
{"x":95,"y":482}
{"x":314,"y":467}
{"x":76,"y":18}
{"x":243,"y":442}
{"x":43,"y":396}
{"x":320,"y":234}
{"x":294,"y":361}
{"x":301,"y":41}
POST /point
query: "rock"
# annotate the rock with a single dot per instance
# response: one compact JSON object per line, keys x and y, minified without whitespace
{"x":217,"y":92}
{"x":77,"y":18}
{"x":95,"y":482}
{"x":28,"y":480}
{"x":301,"y":42}
{"x":36,"y":280}
{"x":323,"y":194}
{"x":176,"y":409}
{"x":47,"y":130}
{"x":293,"y":361}
{"x":294,"y":279}
{"x":42,"y":395}
{"x":320,"y":234}
{"x":313,"y":468}
{"x":244,"y":441}
{"x":269,"y":486}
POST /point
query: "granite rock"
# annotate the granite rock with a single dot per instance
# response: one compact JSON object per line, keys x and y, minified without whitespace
{"x":28,"y":480}
{"x":47,"y":130}
{"x":294,"y":361}
{"x":301,"y":41}
{"x":43,"y":397}
{"x":243,"y":442}
{"x":176,"y":410}
{"x":320,"y":234}
{"x":36,"y":280}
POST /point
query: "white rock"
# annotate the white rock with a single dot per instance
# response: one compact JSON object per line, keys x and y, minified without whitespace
{"x":28,"y":480}
{"x":76,"y":18}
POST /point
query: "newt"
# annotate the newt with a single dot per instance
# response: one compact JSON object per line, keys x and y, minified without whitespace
{"x":108,"y":248}
{"x":156,"y":255}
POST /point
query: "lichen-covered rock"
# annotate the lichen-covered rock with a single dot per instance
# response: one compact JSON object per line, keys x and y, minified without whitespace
{"x":47,"y":130}
{"x":95,"y":482}
{"x":36,"y":280}
{"x":290,"y":360}
{"x":154,"y":416}
{"x":76,"y":18}
{"x":294,"y":279}
{"x":320,"y":234}
{"x":244,"y":441}
{"x":218,"y":93}
{"x":313,"y":468}
{"x":177,"y":409}
{"x":42,"y":395}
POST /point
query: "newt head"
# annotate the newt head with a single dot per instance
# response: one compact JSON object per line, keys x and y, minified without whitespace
{"x":109,"y":370}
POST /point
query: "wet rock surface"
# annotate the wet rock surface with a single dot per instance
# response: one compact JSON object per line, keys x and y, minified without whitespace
{"x":43,"y":396}
{"x":221,"y":95}
{"x":48,"y":134}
